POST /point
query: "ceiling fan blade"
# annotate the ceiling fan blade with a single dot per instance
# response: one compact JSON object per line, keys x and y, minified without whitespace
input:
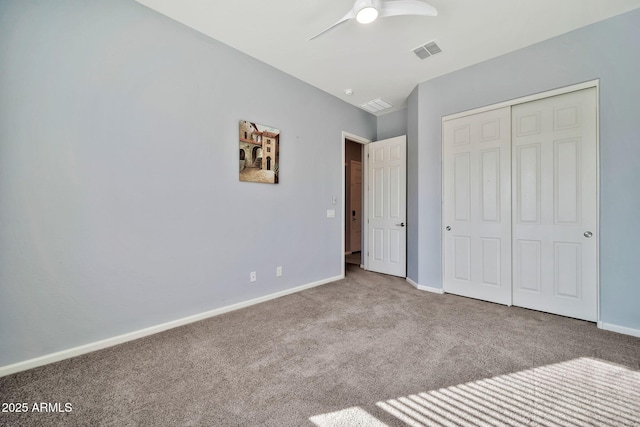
{"x":407,"y":7}
{"x":349,"y":15}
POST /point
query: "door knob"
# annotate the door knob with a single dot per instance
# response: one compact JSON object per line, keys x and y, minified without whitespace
{"x":588,"y":234}
{"x":400,"y":225}
{"x":448,"y":228}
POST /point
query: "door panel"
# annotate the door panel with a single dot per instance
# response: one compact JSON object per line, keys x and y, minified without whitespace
{"x":490,"y":185}
{"x":477,"y":206}
{"x":528,"y":258}
{"x":462,"y":191}
{"x":462,"y":261}
{"x":568,"y":259}
{"x":528,"y":179}
{"x":387,"y":168}
{"x":554,"y":146}
{"x":567,"y":181}
{"x":491,"y":261}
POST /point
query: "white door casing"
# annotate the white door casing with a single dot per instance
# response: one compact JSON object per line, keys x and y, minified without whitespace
{"x":387,"y":182}
{"x":555,"y":204}
{"x":477,"y":206}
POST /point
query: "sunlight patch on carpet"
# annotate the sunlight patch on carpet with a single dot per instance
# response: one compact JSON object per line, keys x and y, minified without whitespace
{"x":350,"y":417}
{"x":578,"y":392}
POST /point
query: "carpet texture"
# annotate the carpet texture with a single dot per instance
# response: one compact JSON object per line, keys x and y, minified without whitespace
{"x":368,"y":350}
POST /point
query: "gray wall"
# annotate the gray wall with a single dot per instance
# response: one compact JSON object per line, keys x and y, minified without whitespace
{"x":607,"y":51}
{"x":120,"y":205}
{"x":392,"y":124}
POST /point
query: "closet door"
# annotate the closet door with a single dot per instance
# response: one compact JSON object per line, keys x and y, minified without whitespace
{"x":477,"y":206}
{"x":555,"y":205}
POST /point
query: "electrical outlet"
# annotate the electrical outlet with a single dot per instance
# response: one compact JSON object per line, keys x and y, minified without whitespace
{"x":279,"y":271}
{"x":253,"y":277}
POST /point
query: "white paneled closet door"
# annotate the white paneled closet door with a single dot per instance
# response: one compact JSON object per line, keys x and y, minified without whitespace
{"x":555,"y":204}
{"x":477,"y":206}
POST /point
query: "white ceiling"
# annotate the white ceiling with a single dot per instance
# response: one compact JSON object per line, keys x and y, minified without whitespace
{"x":376,"y":60}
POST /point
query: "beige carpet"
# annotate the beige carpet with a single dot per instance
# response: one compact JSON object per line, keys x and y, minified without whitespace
{"x":369,"y":350}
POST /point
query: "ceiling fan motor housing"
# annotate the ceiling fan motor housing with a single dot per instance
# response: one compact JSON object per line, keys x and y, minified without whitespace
{"x":367,"y":11}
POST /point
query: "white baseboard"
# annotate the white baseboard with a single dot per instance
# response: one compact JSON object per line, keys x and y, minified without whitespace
{"x":425,"y":288}
{"x":619,"y":329}
{"x":110,"y":342}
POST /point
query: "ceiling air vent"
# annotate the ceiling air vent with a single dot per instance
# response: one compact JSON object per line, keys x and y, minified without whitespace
{"x":427,"y":50}
{"x":376,"y":105}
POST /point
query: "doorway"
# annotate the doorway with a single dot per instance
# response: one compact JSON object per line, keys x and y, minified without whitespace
{"x":383,"y":204}
{"x":354,"y":196}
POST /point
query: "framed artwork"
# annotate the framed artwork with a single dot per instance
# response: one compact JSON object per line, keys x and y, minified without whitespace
{"x":259,"y":153}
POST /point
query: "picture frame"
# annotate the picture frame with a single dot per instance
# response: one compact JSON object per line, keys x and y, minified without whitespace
{"x":259,"y":151}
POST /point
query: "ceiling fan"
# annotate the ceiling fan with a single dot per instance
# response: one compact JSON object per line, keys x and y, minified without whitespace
{"x":366,"y":11}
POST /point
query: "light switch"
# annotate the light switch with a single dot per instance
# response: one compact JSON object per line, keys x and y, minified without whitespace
{"x":331,"y":213}
{"x":334,"y":200}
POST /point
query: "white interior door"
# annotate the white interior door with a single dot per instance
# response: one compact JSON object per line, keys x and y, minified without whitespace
{"x":555,"y":205}
{"x":355,"y":216}
{"x":387,"y":195}
{"x":477,"y":205}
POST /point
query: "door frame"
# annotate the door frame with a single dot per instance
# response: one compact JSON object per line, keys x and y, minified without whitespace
{"x":510,"y":103}
{"x":365,"y":198}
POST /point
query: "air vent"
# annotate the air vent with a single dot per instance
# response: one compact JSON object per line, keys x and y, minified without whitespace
{"x":376,"y":105}
{"x":427,"y":50}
